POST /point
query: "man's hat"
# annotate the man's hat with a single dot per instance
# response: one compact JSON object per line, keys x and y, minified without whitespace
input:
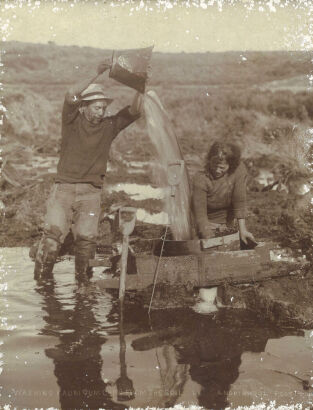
{"x":95,"y":92}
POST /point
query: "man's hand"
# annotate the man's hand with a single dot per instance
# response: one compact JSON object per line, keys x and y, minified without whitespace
{"x":105,"y":65}
{"x":75,"y":91}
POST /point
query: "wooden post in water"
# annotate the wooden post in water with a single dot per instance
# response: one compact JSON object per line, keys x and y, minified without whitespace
{"x":123,"y":266}
{"x":127,"y":219}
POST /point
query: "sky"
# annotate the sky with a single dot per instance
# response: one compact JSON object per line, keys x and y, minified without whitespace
{"x":171,"y":26}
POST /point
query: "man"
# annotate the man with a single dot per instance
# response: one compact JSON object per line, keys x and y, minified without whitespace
{"x":75,"y":197}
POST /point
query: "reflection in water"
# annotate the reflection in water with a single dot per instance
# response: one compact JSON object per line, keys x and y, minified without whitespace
{"x":209,"y":349}
{"x":125,"y":387}
{"x":76,"y":358}
{"x":173,"y":375}
{"x":82,"y":359}
{"x":186,"y":345}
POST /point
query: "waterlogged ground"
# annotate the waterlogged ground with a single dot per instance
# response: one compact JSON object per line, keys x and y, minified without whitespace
{"x":64,"y":346}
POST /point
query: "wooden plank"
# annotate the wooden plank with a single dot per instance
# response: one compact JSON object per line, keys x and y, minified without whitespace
{"x":267,"y":271}
{"x":193,"y":246}
{"x":146,"y":264}
{"x":263,"y":249}
{"x":205,"y":269}
{"x":133,"y":282}
{"x":197,"y":270}
{"x":248,"y":274}
{"x":228,"y":265}
{"x":220,"y":241}
{"x":179,"y":269}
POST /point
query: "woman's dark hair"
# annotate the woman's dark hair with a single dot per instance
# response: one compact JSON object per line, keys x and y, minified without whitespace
{"x":231,"y":152}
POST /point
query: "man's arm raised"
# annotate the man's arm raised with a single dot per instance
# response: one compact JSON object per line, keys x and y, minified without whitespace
{"x":74,"y":92}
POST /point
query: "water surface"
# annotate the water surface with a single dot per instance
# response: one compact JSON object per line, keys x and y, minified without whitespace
{"x":64,"y":346}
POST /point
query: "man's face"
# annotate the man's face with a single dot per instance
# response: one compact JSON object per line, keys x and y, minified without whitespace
{"x":94,"y":111}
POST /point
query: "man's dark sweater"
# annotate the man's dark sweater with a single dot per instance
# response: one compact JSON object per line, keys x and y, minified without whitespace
{"x":85,"y":146}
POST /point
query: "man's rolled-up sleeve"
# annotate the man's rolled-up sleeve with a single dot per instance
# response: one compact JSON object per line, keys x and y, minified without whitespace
{"x":69,"y":111}
{"x":123,"y":119}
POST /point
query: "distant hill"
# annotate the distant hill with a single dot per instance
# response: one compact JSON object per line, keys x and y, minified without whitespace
{"x":53,"y":64}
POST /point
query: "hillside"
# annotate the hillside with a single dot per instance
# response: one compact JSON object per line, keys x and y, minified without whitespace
{"x":202,"y":87}
{"x":54,"y":64}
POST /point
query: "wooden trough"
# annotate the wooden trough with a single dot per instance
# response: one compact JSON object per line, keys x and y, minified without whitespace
{"x":207,"y":262}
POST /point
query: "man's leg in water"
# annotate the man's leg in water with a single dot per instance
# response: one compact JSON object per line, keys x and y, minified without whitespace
{"x":57,"y":224}
{"x":86,"y":219}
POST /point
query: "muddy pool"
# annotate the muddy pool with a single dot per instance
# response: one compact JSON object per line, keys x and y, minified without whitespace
{"x":64,"y":346}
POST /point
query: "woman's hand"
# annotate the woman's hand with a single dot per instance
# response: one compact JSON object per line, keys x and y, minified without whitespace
{"x":245,"y":235}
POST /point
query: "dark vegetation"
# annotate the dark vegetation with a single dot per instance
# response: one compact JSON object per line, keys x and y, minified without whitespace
{"x":263,"y":103}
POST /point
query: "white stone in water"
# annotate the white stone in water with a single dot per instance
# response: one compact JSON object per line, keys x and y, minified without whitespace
{"x":207,"y":303}
{"x":208,"y":295}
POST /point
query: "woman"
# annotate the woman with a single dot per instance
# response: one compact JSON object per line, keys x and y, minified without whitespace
{"x":220,"y":193}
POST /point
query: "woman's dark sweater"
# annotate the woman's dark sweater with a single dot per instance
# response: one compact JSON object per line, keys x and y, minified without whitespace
{"x":219,"y":200}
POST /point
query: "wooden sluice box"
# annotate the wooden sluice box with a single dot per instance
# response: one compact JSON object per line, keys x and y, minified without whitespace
{"x":207,"y":262}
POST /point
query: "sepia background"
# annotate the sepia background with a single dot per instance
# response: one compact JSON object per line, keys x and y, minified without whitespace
{"x":226,"y":70}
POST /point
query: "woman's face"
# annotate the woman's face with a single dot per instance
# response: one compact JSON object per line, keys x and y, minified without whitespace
{"x":218,"y":165}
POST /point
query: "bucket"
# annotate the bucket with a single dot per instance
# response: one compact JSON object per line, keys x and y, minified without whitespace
{"x":130,"y":67}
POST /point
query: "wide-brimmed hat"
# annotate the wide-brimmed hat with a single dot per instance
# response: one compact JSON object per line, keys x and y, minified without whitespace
{"x":95,"y":92}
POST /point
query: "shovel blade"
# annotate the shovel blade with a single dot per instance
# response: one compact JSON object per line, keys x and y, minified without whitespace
{"x":127,"y":219}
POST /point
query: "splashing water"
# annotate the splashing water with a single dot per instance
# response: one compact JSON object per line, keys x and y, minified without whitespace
{"x":164,"y":139}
